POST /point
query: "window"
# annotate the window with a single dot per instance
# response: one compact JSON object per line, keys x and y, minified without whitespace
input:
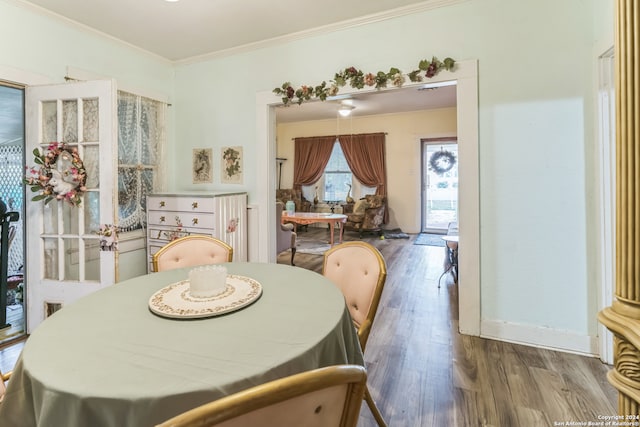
{"x":337,"y":176}
{"x":141,"y":123}
{"x":337,"y":181}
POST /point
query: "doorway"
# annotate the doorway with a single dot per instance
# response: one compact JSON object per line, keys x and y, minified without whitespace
{"x":439,"y":184}
{"x":12,"y":313}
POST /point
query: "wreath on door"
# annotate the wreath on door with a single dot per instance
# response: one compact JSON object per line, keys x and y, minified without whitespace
{"x":60,"y":176}
{"x":442,"y":161}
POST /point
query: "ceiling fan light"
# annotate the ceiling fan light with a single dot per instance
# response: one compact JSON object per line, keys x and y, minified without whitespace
{"x":345,"y":110}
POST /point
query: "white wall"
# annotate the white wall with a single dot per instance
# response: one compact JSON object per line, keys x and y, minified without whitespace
{"x":536,"y":106}
{"x":403,"y":156}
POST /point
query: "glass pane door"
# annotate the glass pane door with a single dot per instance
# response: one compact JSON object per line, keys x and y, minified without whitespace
{"x":72,"y":124}
{"x":440,"y":185}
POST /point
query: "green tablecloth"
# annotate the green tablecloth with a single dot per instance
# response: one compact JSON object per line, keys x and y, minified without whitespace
{"x":106,"y":360}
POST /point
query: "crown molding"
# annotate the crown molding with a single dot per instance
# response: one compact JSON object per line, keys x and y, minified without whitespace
{"x":326,"y":29}
{"x":312,"y":32}
{"x":24,"y":4}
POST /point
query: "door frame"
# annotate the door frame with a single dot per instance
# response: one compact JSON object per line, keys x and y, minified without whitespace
{"x":469,"y":285}
{"x":606,"y":195}
{"x":450,"y":140}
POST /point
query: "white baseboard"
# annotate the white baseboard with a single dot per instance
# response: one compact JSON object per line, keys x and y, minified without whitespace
{"x":536,"y":336}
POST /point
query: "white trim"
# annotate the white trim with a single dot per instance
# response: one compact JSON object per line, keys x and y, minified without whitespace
{"x":363,"y":20}
{"x":466,"y":76}
{"x":22,"y":77}
{"x":606,"y":167}
{"x":537,"y":336}
{"x":84,"y":75}
{"x":325,"y":29}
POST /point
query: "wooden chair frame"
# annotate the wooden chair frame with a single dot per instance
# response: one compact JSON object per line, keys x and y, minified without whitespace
{"x":3,"y":387}
{"x":364,"y":329}
{"x":235,"y":406}
{"x":185,"y":240}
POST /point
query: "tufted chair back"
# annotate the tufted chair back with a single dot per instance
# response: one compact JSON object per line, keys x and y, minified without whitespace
{"x":329,"y":397}
{"x":190,"y":251}
{"x":359,"y":270}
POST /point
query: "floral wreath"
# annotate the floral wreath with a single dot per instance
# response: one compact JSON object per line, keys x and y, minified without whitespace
{"x":442,"y":161}
{"x":358,"y":79}
{"x":61,"y":175}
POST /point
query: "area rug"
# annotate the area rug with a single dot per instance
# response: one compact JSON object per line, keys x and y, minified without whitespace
{"x":429,"y":239}
{"x":396,"y":233}
{"x":311,"y":246}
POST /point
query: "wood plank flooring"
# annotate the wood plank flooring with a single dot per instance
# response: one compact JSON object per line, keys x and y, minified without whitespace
{"x":422,"y":372}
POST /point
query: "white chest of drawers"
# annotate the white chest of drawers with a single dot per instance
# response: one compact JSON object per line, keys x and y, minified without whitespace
{"x":174,"y":215}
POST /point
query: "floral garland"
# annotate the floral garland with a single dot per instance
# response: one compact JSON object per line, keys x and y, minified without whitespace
{"x":358,"y":79}
{"x":442,"y":161}
{"x":61,"y":175}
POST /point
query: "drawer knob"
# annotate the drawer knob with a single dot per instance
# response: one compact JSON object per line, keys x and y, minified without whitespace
{"x":194,"y":221}
{"x":162,"y":203}
{"x":162,"y":219}
{"x":194,"y":205}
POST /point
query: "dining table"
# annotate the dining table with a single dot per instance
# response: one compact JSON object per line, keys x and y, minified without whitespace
{"x":108,"y":359}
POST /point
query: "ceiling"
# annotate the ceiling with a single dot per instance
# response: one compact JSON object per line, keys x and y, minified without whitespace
{"x":372,"y":103}
{"x":187,"y":29}
{"x":191,"y":30}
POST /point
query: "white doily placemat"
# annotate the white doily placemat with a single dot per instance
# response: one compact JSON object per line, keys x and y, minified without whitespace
{"x":175,"y":301}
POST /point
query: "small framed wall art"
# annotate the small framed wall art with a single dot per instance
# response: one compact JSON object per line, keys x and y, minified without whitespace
{"x":232,"y":167}
{"x":202,"y":165}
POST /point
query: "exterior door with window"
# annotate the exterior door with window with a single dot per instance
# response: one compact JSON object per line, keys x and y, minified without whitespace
{"x":440,"y":185}
{"x":63,"y":244}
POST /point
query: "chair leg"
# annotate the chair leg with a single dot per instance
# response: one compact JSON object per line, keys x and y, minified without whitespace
{"x":293,"y":253}
{"x":374,"y":409}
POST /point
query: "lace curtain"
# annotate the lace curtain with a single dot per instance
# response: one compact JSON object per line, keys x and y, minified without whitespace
{"x":141,"y":138}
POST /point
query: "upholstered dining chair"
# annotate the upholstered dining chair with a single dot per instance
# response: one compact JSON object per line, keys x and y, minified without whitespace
{"x":328,"y":397}
{"x":285,"y":236}
{"x":359,"y":270}
{"x":3,"y":383}
{"x":190,"y":251}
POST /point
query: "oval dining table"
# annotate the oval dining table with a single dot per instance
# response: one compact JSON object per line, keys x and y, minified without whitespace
{"x":107,"y":360}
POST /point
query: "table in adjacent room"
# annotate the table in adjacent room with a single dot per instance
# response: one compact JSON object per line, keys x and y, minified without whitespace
{"x":305,"y":218}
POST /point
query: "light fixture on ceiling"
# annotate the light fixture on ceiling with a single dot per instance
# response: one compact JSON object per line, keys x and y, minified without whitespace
{"x":345,"y":110}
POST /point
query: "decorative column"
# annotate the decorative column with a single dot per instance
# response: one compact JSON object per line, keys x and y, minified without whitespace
{"x":623,"y":317}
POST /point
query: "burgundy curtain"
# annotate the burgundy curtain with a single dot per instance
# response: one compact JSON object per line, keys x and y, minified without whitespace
{"x":311,"y":156}
{"x":365,"y":154}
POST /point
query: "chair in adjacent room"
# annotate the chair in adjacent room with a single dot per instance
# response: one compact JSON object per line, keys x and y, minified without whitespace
{"x":190,"y":251}
{"x":329,"y":396}
{"x":367,"y":215}
{"x":359,"y":270}
{"x":285,"y":236}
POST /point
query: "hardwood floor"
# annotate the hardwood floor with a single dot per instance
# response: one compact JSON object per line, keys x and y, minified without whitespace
{"x":422,"y":372}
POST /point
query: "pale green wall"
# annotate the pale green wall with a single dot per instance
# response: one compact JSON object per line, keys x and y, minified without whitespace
{"x":536,"y":111}
{"x":403,"y":157}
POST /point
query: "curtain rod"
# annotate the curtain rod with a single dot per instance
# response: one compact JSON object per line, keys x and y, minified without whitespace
{"x":344,"y":134}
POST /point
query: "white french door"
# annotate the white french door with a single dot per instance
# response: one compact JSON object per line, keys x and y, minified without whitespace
{"x":63,"y":247}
